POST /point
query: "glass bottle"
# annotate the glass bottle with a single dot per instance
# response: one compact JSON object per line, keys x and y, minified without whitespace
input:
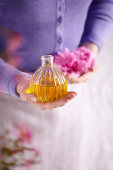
{"x":48,"y":82}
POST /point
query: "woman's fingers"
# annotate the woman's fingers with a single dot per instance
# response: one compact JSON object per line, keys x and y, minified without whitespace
{"x":93,"y":68}
{"x":23,"y":85}
{"x":55,"y":104}
{"x":84,"y":77}
{"x":24,"y":96}
{"x":28,"y":97}
{"x":87,"y":75}
{"x":47,"y":105}
{"x":21,"y":88}
{"x":64,"y":100}
{"x":71,"y":79}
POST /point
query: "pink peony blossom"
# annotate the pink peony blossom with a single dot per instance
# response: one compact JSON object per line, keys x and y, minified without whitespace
{"x":36,"y":151}
{"x":28,"y":164}
{"x":12,"y":147}
{"x":1,"y":156}
{"x":77,"y":62}
{"x":23,"y":132}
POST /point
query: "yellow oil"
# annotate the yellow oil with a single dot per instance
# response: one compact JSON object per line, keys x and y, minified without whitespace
{"x":48,"y":93}
{"x":48,"y":83}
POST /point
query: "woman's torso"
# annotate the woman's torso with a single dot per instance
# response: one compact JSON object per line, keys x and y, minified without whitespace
{"x":47,"y":26}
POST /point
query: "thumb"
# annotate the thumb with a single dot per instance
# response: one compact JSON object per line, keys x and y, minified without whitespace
{"x":22,"y":85}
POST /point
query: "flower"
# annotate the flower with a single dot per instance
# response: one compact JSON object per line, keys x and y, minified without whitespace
{"x":77,"y":62}
{"x":23,"y":132}
{"x":28,"y":164}
{"x":14,"y":152}
{"x":1,"y":156}
{"x":36,"y":151}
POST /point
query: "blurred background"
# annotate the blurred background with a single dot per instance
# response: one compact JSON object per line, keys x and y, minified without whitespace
{"x":98,"y":141}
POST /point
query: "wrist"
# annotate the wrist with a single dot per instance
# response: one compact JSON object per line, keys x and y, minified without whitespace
{"x":93,"y":48}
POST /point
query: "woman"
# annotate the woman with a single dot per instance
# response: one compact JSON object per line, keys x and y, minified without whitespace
{"x":47,"y":27}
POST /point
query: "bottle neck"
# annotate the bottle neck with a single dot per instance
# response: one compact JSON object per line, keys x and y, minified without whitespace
{"x":47,"y":60}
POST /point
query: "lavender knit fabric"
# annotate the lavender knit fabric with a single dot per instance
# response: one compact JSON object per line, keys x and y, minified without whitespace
{"x":49,"y":26}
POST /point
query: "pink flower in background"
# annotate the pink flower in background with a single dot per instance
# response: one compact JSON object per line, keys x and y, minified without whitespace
{"x":1,"y":156}
{"x":23,"y":132}
{"x":13,"y":147}
{"x":77,"y":62}
{"x":36,"y":151}
{"x":28,"y":164}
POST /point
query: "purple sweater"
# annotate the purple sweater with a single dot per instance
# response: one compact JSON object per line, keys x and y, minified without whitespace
{"x":49,"y":26}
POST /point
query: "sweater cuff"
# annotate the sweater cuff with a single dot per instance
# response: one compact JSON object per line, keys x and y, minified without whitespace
{"x":94,"y":39}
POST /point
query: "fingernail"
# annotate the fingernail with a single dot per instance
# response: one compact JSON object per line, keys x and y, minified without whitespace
{"x":34,"y":99}
{"x":68,"y":99}
{"x":91,"y":69}
{"x":74,"y":94}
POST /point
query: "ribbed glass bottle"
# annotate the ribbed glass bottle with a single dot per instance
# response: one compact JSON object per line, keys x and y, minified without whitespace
{"x":48,"y":82}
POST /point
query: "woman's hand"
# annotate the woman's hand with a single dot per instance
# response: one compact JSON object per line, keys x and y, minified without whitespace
{"x":84,"y":77}
{"x":24,"y":84}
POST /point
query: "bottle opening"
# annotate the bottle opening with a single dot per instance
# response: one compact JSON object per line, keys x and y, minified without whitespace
{"x":47,"y":60}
